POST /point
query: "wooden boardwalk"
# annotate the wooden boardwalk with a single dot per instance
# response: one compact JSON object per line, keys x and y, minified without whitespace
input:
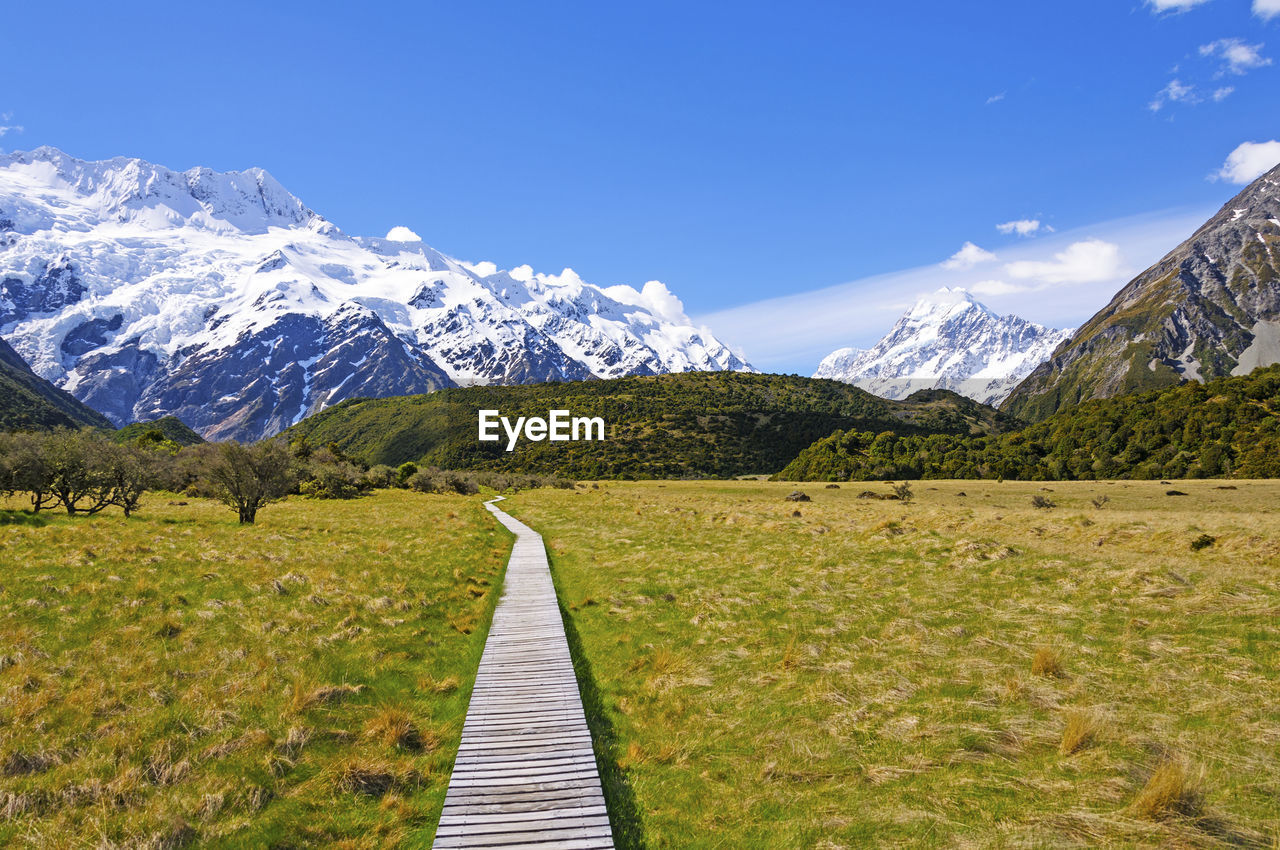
{"x":525,"y":774}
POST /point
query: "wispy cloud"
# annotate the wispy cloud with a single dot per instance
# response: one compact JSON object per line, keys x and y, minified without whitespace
{"x":1237,"y":57}
{"x":967,"y":257}
{"x":1248,"y":162}
{"x":996,"y":287}
{"x":1173,"y":6}
{"x":996,"y":98}
{"x":1023,"y":227}
{"x":1266,"y":9}
{"x":6,"y":127}
{"x":793,"y":333}
{"x":1223,"y":93}
{"x":1175,"y":92}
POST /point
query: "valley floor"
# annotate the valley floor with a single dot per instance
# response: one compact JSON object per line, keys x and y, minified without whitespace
{"x":175,"y":679}
{"x":961,"y":670}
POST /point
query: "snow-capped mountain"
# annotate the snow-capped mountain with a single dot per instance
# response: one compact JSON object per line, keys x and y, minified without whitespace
{"x":947,"y":340}
{"x":224,"y":300}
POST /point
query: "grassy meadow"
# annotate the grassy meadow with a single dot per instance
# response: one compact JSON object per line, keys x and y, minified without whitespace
{"x":176,"y":679}
{"x":964,"y":670}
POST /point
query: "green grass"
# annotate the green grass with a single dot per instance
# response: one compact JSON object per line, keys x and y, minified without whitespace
{"x":178,"y":679}
{"x":963,"y":670}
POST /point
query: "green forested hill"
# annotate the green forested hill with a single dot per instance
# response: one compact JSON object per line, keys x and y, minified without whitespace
{"x":28,"y":401}
{"x":170,"y":428}
{"x":1228,"y":427}
{"x":666,"y":426}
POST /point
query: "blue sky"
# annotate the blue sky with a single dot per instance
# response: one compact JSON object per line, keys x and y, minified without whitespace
{"x":740,"y":154}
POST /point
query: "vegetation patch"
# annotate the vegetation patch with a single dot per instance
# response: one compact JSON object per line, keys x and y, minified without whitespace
{"x":176,"y":678}
{"x":689,"y":425}
{"x":969,"y":672}
{"x":1225,"y":428}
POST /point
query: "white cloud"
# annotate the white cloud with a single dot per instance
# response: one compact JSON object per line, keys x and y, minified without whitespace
{"x":1174,"y":5}
{"x":1223,"y":93}
{"x":996,"y":287}
{"x":1175,"y":92}
{"x":1237,"y":57}
{"x":1249,"y":161}
{"x":1081,"y":262}
{"x":400,"y":233}
{"x":967,"y":257}
{"x":654,"y":297}
{"x":1266,"y":9}
{"x":6,"y":127}
{"x":996,"y":98}
{"x":1022,"y":226}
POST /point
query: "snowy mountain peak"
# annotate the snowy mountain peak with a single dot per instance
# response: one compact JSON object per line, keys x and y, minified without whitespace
{"x":947,"y":301}
{"x":138,"y":192}
{"x":221,"y":298}
{"x":947,"y":339}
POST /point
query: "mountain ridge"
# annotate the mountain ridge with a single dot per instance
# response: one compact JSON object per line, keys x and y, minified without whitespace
{"x":1209,"y":308}
{"x":950,"y":340}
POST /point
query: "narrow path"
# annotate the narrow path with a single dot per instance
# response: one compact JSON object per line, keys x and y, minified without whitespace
{"x":525,"y":774}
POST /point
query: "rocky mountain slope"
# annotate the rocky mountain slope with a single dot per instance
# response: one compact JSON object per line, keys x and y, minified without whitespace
{"x":947,"y":340}
{"x":224,"y":300}
{"x":29,"y":401}
{"x":1209,"y":308}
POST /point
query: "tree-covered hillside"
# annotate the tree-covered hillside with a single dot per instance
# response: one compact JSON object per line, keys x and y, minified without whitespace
{"x":29,"y":402}
{"x":1228,"y":427}
{"x":700,"y":424}
{"x":169,"y":428}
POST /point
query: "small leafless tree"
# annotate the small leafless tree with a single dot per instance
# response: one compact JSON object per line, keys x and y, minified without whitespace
{"x":248,"y":477}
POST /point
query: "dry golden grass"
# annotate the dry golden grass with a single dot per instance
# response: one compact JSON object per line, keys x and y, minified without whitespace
{"x":964,"y":670}
{"x":394,"y":727}
{"x":1081,"y":729}
{"x":1046,"y":662}
{"x":1171,"y":790}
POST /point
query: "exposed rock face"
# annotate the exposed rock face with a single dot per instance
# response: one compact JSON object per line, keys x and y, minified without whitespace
{"x":223,"y":299}
{"x":947,"y":341}
{"x":1209,"y":308}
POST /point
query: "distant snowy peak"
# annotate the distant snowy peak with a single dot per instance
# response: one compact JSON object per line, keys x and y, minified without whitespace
{"x":221,"y":298}
{"x":951,"y":341}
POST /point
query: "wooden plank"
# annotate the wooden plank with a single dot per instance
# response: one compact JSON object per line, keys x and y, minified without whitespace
{"x":525,"y":774}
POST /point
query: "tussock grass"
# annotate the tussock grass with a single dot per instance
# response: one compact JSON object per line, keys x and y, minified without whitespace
{"x":1046,"y":662}
{"x":178,"y":680}
{"x":1081,"y":730}
{"x":1172,"y":789}
{"x":865,"y":675}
